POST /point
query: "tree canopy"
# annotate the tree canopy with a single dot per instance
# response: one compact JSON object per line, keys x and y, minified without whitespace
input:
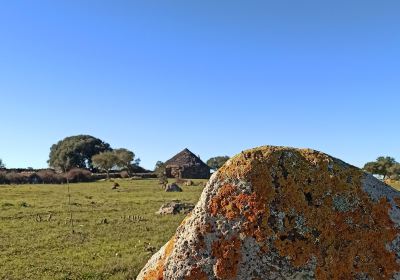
{"x":125,"y":157}
{"x":76,"y":151}
{"x":159,"y":166}
{"x":394,"y":171}
{"x":159,"y":169}
{"x":2,"y":165}
{"x":118,"y":158}
{"x":383,"y":166}
{"x":106,"y":161}
{"x":216,"y":162}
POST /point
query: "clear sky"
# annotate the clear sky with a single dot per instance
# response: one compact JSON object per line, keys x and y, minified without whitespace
{"x":216,"y":77}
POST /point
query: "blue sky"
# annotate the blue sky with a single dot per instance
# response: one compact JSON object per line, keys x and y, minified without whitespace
{"x":214,"y":76}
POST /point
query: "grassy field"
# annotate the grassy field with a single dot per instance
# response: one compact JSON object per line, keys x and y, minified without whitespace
{"x":107,"y":243}
{"x":395,"y":184}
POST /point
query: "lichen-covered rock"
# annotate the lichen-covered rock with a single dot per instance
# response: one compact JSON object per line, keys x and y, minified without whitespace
{"x":172,"y":188}
{"x":284,"y":213}
{"x":175,"y":207}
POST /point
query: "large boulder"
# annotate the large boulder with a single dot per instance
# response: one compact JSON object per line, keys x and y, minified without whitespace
{"x":284,"y":213}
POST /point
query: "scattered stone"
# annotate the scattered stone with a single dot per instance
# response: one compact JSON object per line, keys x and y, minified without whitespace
{"x":175,"y":207}
{"x":115,"y":186}
{"x":284,"y":213}
{"x":189,"y":183}
{"x":172,"y":188}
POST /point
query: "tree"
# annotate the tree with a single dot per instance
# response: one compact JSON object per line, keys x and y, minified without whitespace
{"x":76,"y":151}
{"x":137,"y":161}
{"x":159,"y":166}
{"x":125,"y":157}
{"x":159,"y":169}
{"x":106,"y":161}
{"x":371,"y":167}
{"x":394,"y":172}
{"x":2,"y":165}
{"x":216,"y":162}
{"x":381,"y":166}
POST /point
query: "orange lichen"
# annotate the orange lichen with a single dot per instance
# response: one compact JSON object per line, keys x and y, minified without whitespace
{"x":157,"y":272}
{"x":227,"y":253}
{"x":233,"y":205}
{"x":326,"y":213}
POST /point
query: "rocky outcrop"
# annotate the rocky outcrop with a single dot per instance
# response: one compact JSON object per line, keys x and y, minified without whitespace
{"x":284,"y":213}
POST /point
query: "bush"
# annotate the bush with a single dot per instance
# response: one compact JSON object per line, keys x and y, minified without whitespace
{"x":3,"y":179}
{"x":51,"y":177}
{"x":77,"y":175}
{"x":163,"y":180}
{"x":15,"y":178}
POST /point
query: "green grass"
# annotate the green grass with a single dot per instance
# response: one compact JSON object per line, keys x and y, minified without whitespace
{"x":31,"y":247}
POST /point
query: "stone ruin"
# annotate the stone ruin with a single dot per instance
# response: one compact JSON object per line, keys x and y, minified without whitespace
{"x":185,"y":164}
{"x":284,"y":213}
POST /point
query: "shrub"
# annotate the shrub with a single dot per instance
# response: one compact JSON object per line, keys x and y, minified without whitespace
{"x":49,"y":176}
{"x":15,"y":178}
{"x":163,"y":180}
{"x":32,"y":178}
{"x":3,"y":178}
{"x":77,"y":175}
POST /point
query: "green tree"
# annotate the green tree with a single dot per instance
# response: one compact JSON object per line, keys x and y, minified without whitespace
{"x":381,"y":166}
{"x":159,"y":169}
{"x":137,"y":161}
{"x":216,"y":162}
{"x":394,"y":172}
{"x":106,"y":161}
{"x":371,"y":167}
{"x":2,"y":165}
{"x":76,"y":151}
{"x":125,"y":157}
{"x":160,"y":166}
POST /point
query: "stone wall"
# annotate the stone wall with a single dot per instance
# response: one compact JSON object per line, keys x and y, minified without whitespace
{"x":188,"y":172}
